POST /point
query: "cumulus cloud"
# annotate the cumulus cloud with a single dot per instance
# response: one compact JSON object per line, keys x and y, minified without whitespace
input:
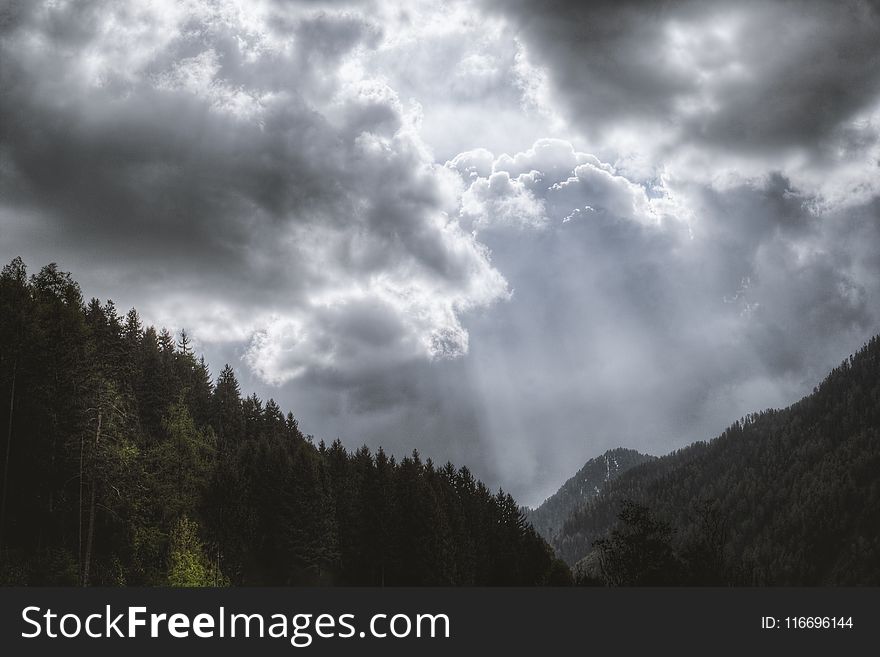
{"x":548,"y":181}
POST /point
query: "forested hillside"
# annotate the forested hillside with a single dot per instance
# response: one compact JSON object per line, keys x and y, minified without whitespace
{"x":782,"y":497}
{"x":125,"y":462}
{"x":586,"y":484}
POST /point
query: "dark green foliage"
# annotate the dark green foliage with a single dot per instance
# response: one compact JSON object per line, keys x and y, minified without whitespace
{"x":124,"y":464}
{"x":782,"y":497}
{"x":638,"y":551}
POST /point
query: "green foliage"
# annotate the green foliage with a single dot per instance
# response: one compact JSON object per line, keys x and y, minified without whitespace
{"x":181,"y":464}
{"x":638,"y":551}
{"x":188,"y":565}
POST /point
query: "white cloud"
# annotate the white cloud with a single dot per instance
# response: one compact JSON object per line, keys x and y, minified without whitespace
{"x":551,"y":182}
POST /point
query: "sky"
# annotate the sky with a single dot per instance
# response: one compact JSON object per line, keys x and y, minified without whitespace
{"x":510,"y":234}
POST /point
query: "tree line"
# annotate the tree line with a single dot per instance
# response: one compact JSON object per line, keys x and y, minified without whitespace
{"x":126,"y":463}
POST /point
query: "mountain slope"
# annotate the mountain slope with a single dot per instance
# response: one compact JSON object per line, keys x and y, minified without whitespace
{"x":782,"y":497}
{"x":123,"y":463}
{"x":548,"y":518}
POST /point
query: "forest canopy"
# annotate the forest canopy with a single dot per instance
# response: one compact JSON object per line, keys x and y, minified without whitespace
{"x":126,"y":462}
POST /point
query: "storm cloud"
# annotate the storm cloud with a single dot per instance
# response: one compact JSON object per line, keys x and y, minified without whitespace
{"x":252,"y":169}
{"x":508,"y":234}
{"x":756,"y":75}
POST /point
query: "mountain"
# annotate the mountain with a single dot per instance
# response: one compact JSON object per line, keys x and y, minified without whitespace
{"x":548,"y":518}
{"x":782,"y":497}
{"x":124,"y":462}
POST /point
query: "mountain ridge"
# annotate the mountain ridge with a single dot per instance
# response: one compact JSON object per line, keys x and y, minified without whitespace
{"x":548,"y":517}
{"x":782,"y":497}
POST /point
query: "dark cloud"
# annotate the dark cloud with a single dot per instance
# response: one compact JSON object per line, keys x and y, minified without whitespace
{"x":246,"y":160}
{"x":755,"y":75}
